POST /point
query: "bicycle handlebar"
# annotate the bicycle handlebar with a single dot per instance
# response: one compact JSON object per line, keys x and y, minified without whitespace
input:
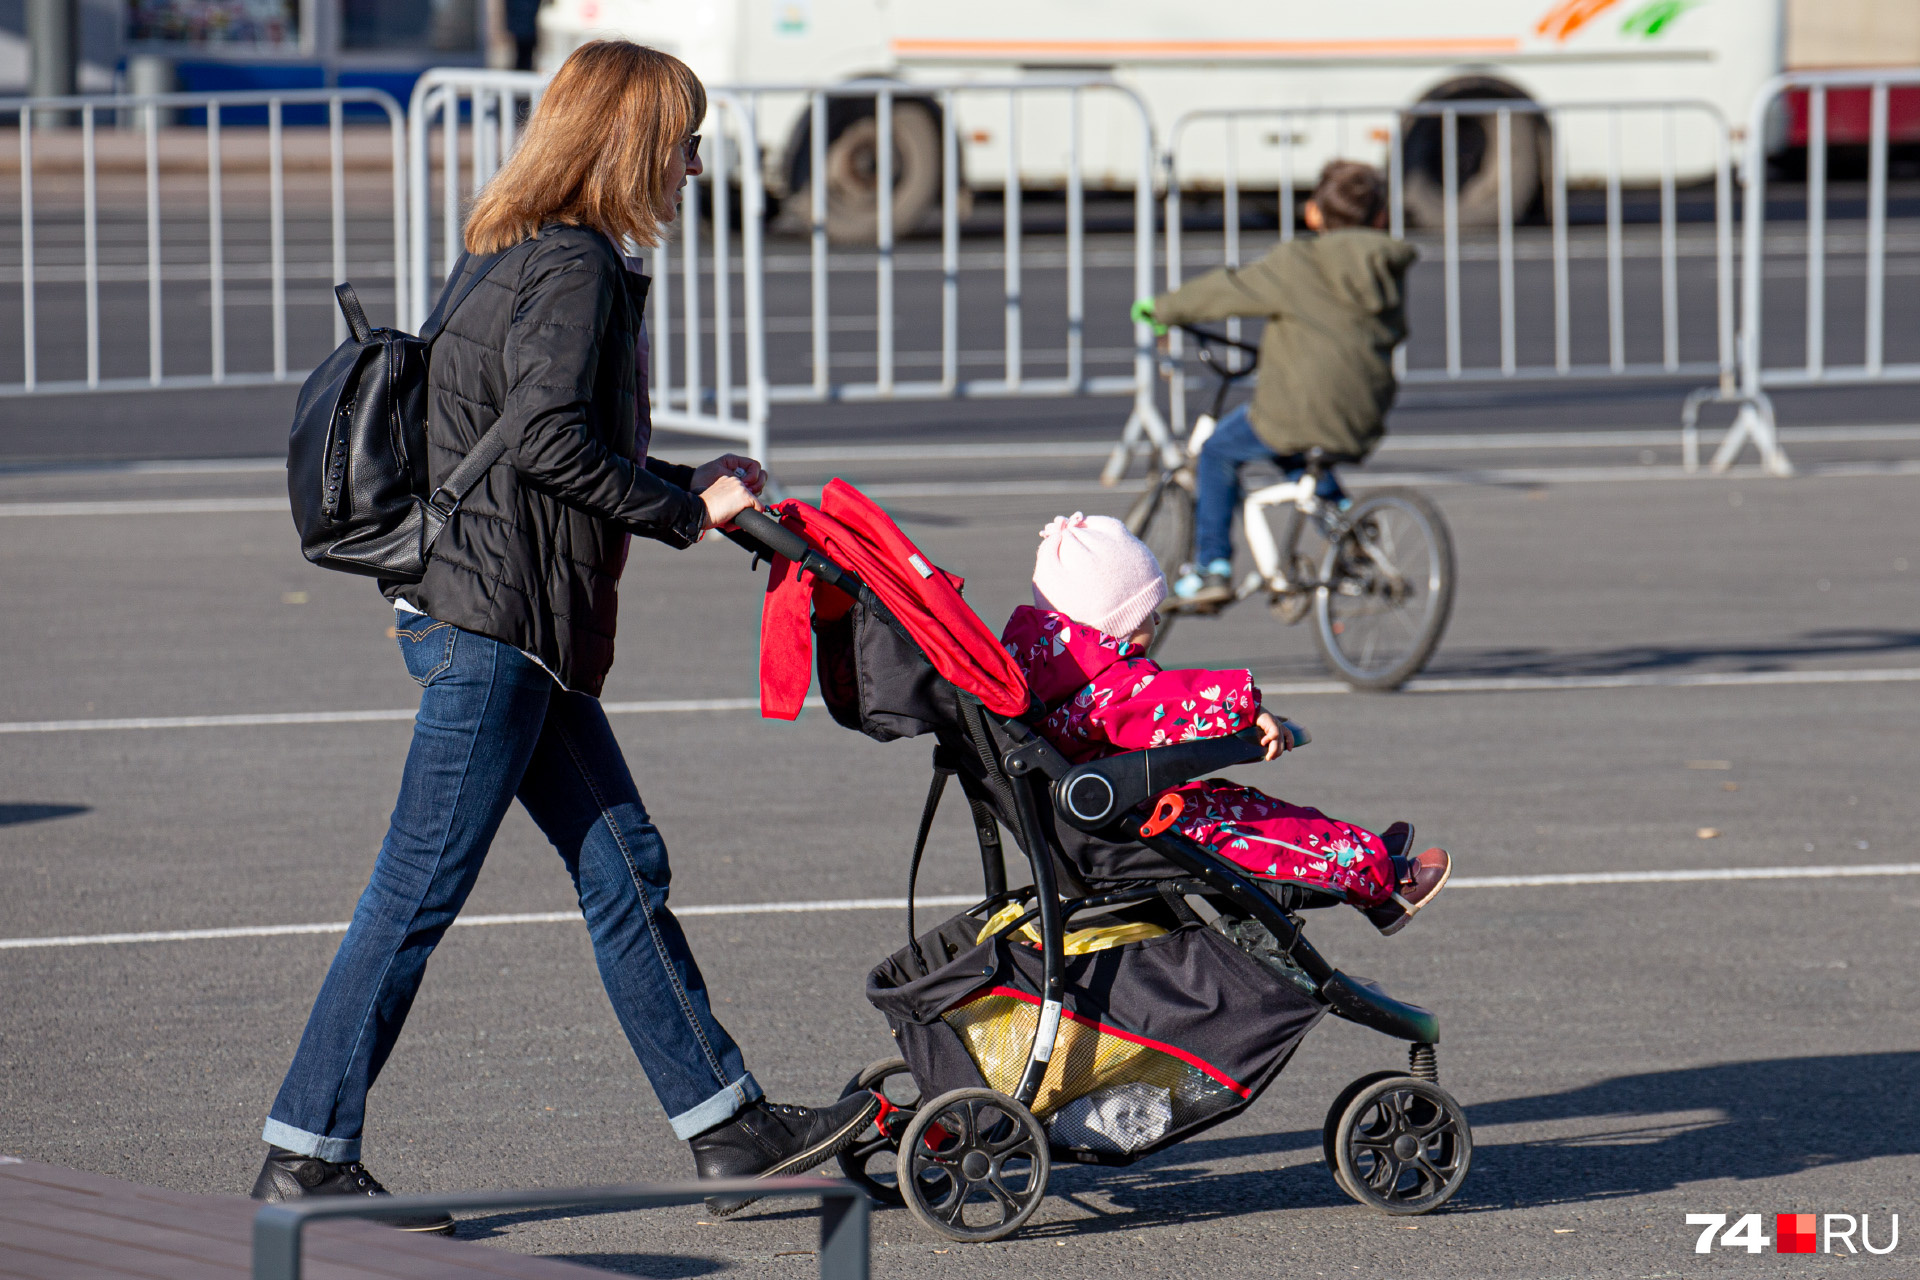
{"x":1221,"y":339}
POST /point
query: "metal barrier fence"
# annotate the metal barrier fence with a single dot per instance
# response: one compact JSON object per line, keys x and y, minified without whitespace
{"x":1527,"y":139}
{"x":51,"y":149}
{"x":705,"y":398}
{"x":1816,"y":368}
{"x":844,"y":1215}
{"x":995,"y":106}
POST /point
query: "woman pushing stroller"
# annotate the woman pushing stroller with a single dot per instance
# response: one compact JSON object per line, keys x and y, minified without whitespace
{"x":1082,"y":645}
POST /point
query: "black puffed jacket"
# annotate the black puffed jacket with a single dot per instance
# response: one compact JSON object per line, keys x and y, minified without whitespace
{"x":545,"y":344}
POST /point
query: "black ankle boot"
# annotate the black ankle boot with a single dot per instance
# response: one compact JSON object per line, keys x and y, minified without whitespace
{"x":765,"y":1140}
{"x":287,"y":1176}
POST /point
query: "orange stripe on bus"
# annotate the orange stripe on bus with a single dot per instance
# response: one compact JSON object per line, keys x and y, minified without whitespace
{"x":1201,"y":48}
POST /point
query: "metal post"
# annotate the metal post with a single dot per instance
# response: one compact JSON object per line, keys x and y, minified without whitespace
{"x":450,"y":183}
{"x":336,"y":172}
{"x":1011,"y":241}
{"x":402,"y":269}
{"x":152,"y":114}
{"x":949,"y":244}
{"x":753,"y":269}
{"x":1286,"y":176}
{"x":1230,"y":225}
{"x":690,"y":305}
{"x":1877,"y":231}
{"x":1076,"y":249}
{"x":722,"y":282}
{"x":1396,"y":215}
{"x":1616,"y":302}
{"x":216,"y":252}
{"x":1450,"y":196}
{"x":28,"y":354}
{"x":277,"y":206}
{"x":817,"y":206}
{"x":883,"y":206}
{"x":1816,"y":230}
{"x":1562,"y":328}
{"x":1504,"y":130}
{"x":1669,"y":250}
{"x":90,"y":197}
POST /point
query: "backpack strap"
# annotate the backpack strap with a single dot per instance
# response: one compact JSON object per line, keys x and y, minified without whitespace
{"x":451,"y":296}
{"x":447,"y":497}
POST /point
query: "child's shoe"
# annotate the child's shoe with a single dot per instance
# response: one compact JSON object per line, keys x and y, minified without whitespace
{"x":1421,"y":880}
{"x":1198,"y":587}
{"x":1398,"y":838}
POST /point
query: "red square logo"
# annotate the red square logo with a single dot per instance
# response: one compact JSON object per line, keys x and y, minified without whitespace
{"x":1794,"y":1232}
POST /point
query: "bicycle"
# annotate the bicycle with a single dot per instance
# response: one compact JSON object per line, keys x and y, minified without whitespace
{"x":1381,"y":591}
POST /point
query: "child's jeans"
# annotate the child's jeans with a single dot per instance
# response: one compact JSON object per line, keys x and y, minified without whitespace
{"x":1217,"y":483}
{"x":1279,"y":841}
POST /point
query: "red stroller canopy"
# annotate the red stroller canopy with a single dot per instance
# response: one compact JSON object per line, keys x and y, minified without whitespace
{"x":852,"y":531}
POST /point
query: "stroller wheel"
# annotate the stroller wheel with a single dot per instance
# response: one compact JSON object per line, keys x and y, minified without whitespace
{"x":872,"y":1160}
{"x":974,"y":1165}
{"x":1403,"y":1146}
{"x":1330,"y":1131}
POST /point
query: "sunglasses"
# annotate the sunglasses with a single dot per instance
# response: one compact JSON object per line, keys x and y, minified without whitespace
{"x":691,"y":147}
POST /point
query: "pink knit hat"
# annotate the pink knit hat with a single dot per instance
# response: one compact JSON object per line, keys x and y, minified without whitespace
{"x":1096,"y":573}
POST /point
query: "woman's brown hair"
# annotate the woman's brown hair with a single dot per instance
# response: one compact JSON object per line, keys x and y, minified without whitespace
{"x":597,"y":149}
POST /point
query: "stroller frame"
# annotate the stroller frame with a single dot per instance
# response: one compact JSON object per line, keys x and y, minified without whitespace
{"x":1005,"y":768}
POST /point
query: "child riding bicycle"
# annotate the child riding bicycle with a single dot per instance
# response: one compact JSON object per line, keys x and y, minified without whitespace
{"x":1334,"y":304}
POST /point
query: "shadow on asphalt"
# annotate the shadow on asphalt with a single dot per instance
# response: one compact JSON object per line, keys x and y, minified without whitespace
{"x":1777,"y":655}
{"x":15,"y":815}
{"x":1628,"y":1136}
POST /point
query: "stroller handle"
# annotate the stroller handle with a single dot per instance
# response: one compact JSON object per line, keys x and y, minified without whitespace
{"x":770,"y":534}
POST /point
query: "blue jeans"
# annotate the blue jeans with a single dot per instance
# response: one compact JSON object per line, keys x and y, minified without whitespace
{"x":494,"y":725}
{"x":1217,"y":483}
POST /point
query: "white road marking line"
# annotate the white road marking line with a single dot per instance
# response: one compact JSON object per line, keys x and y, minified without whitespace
{"x":1402,"y":442}
{"x":667,"y":706}
{"x":967,"y":900}
{"x":145,"y":507}
{"x":1681,"y":877}
{"x":1294,"y":689}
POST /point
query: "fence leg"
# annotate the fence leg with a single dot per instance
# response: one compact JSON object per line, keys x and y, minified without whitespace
{"x":1754,"y":422}
{"x":1145,"y":420}
{"x":843,"y":1237}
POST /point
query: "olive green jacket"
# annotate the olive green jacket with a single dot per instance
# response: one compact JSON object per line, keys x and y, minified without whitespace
{"x":1335,"y":309}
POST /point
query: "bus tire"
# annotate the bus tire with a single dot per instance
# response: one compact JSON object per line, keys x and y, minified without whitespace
{"x":852,"y":171}
{"x":1477,"y":142}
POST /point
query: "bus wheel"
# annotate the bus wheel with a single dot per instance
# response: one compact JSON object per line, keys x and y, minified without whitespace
{"x":853,"y":172}
{"x":1477,"y":157}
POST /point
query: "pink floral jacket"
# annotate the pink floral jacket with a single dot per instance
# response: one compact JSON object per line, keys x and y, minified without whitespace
{"x":1103,"y":699}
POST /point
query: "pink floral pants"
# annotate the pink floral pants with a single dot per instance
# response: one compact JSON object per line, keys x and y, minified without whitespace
{"x":1275,"y":840}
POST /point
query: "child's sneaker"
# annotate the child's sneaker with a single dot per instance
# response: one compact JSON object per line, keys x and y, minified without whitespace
{"x":1213,"y":585}
{"x":1398,"y":838}
{"x":1421,"y":880}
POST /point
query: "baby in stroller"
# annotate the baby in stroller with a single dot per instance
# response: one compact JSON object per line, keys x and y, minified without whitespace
{"x":1083,"y":644}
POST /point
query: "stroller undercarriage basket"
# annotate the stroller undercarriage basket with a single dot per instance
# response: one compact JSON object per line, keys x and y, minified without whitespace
{"x":1157,"y":1039}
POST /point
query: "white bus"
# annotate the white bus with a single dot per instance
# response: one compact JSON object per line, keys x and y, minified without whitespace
{"x":1348,"y":66}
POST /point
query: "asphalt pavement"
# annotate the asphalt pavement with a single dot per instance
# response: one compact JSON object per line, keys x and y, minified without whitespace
{"x":1637,"y":659}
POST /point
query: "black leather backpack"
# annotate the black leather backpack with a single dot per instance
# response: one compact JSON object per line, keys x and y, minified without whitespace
{"x":357,"y":455}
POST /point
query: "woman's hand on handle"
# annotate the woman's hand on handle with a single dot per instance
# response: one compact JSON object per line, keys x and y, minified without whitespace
{"x":726,"y":498}
{"x":744,"y":469}
{"x":1273,"y":736}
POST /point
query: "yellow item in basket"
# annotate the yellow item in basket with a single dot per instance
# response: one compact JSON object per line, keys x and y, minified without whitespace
{"x":1080,"y":941}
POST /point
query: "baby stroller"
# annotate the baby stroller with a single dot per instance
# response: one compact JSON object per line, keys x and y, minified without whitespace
{"x":1140,"y":989}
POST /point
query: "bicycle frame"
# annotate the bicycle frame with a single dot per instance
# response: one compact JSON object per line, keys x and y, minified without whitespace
{"x":1269,"y":557}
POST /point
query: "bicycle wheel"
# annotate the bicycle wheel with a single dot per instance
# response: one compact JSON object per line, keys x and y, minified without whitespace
{"x":1163,"y":519}
{"x":1388,"y":590}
